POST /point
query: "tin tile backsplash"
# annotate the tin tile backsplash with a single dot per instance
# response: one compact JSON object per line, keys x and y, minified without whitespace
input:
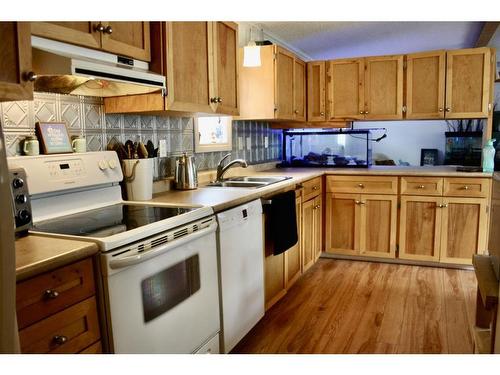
{"x":85,"y":116}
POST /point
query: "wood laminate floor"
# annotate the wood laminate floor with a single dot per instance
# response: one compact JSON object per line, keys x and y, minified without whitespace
{"x":342,"y":306}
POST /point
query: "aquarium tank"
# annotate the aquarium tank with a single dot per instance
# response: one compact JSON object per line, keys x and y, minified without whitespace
{"x":327,"y":148}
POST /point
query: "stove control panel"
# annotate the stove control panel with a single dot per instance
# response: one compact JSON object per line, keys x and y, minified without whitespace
{"x":52,"y":173}
{"x":20,"y":199}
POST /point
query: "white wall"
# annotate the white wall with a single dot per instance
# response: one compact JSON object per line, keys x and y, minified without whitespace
{"x":406,"y":138}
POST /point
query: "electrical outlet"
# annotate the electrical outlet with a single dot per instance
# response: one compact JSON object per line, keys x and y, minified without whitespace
{"x":249,"y":143}
{"x":163,"y":148}
{"x":266,"y":142}
{"x":240,"y":143}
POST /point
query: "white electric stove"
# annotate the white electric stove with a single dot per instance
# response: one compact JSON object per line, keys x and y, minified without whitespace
{"x":158,"y":261}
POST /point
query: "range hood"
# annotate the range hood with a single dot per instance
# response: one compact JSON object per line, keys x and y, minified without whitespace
{"x":67,"y":69}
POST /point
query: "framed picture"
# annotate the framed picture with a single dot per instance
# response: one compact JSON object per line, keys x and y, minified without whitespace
{"x":428,"y":156}
{"x":53,"y":137}
{"x":213,"y":133}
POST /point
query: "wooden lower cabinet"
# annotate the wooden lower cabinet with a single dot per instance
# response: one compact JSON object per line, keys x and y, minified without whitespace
{"x":361,"y":224}
{"x":420,"y":228}
{"x":463,"y":234}
{"x":293,"y":256}
{"x":311,"y":232}
{"x":444,"y":229}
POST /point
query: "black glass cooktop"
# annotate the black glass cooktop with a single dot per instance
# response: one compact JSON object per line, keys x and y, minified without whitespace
{"x":106,"y":221}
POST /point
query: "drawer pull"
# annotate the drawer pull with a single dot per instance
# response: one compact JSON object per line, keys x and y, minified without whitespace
{"x":421,"y":186}
{"x":362,"y":186}
{"x":51,"y":294}
{"x":315,"y":187}
{"x":59,"y":339}
{"x":465,"y":187}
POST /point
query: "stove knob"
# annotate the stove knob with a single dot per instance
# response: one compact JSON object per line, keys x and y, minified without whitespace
{"x":18,"y":183}
{"x":103,"y":165}
{"x":112,"y":164}
{"x":23,"y":217}
{"x":21,"y":199}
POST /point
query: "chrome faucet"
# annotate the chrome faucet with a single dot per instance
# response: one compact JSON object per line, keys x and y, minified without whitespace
{"x":221,"y":169}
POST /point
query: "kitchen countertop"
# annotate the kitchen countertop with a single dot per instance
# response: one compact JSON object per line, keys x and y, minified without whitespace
{"x":221,"y":198}
{"x":38,"y":254}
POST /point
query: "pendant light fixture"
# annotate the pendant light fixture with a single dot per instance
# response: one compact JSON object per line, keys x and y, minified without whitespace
{"x":251,"y":53}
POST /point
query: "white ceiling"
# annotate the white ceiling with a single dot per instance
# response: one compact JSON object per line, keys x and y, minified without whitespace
{"x":328,"y":40}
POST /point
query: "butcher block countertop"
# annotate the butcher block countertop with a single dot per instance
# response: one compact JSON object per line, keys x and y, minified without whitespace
{"x":222,"y":198}
{"x":38,"y":254}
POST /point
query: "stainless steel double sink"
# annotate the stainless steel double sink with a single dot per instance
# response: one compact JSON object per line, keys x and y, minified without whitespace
{"x":248,"y":181}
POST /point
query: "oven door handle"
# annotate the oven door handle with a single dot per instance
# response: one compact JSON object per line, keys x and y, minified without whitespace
{"x":139,"y":258}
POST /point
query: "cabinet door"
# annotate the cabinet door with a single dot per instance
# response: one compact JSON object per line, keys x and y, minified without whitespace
{"x":345,"y":89}
{"x":342,"y":223}
{"x":284,"y":84}
{"x":384,"y":87}
{"x":468,"y":83}
{"x":316,"y":108}
{"x":82,"y":33}
{"x":293,"y":255}
{"x":127,"y":39}
{"x":299,"y":90}
{"x":15,"y":61}
{"x":308,"y":234}
{"x":318,"y":227}
{"x":420,"y":228}
{"x":464,"y":229}
{"x":425,"y":81}
{"x":225,"y":47}
{"x":378,"y":225}
{"x":189,"y":66}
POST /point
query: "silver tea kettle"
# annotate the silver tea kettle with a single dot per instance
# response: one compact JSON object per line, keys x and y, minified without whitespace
{"x":186,"y":175}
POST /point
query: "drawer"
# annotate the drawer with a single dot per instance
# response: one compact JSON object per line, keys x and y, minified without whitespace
{"x":312,"y":188}
{"x":68,"y":331}
{"x":95,"y":348}
{"x":48,"y":293}
{"x":422,"y":186}
{"x":362,"y":184}
{"x":466,"y":187}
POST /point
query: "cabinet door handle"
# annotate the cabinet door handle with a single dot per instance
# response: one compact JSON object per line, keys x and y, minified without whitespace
{"x":30,"y":76}
{"x":99,"y":28}
{"x":213,"y":100}
{"x":322,"y":113}
{"x":51,"y":294}
{"x":59,"y":339}
{"x":448,"y":109}
{"x":361,"y":112}
{"x":296,"y":112}
{"x":316,"y":207}
{"x":366,"y":112}
{"x":443,"y":205}
{"x":440,"y":109}
{"x":108,"y":30}
{"x":219,"y":100}
{"x":315,"y":187}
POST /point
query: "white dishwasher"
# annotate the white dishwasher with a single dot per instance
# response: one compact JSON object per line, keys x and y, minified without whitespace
{"x":241,"y":256}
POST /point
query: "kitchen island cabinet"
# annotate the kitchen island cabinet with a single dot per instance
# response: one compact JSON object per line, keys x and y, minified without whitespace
{"x":16,"y":76}
{"x":130,"y":39}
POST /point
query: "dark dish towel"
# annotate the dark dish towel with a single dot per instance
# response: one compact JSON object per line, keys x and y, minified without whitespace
{"x":283,"y":222}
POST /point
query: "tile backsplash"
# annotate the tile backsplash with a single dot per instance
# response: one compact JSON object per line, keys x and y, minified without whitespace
{"x":85,"y":116}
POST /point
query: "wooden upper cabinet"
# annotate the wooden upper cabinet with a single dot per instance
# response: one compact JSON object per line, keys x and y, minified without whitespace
{"x":225,"y":49}
{"x":316,"y":85}
{"x":131,"y":39}
{"x":345,"y":89}
{"x":384,"y":87}
{"x":127,"y":38}
{"x":420,"y":228}
{"x":189,"y":66}
{"x":82,"y":33}
{"x":468,"y":79}
{"x":15,"y":61}
{"x":284,"y":98}
{"x":463,"y":230}
{"x":299,"y":90}
{"x":425,"y":85}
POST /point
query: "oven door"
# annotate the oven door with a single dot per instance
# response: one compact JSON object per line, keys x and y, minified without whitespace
{"x":164,"y":300}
